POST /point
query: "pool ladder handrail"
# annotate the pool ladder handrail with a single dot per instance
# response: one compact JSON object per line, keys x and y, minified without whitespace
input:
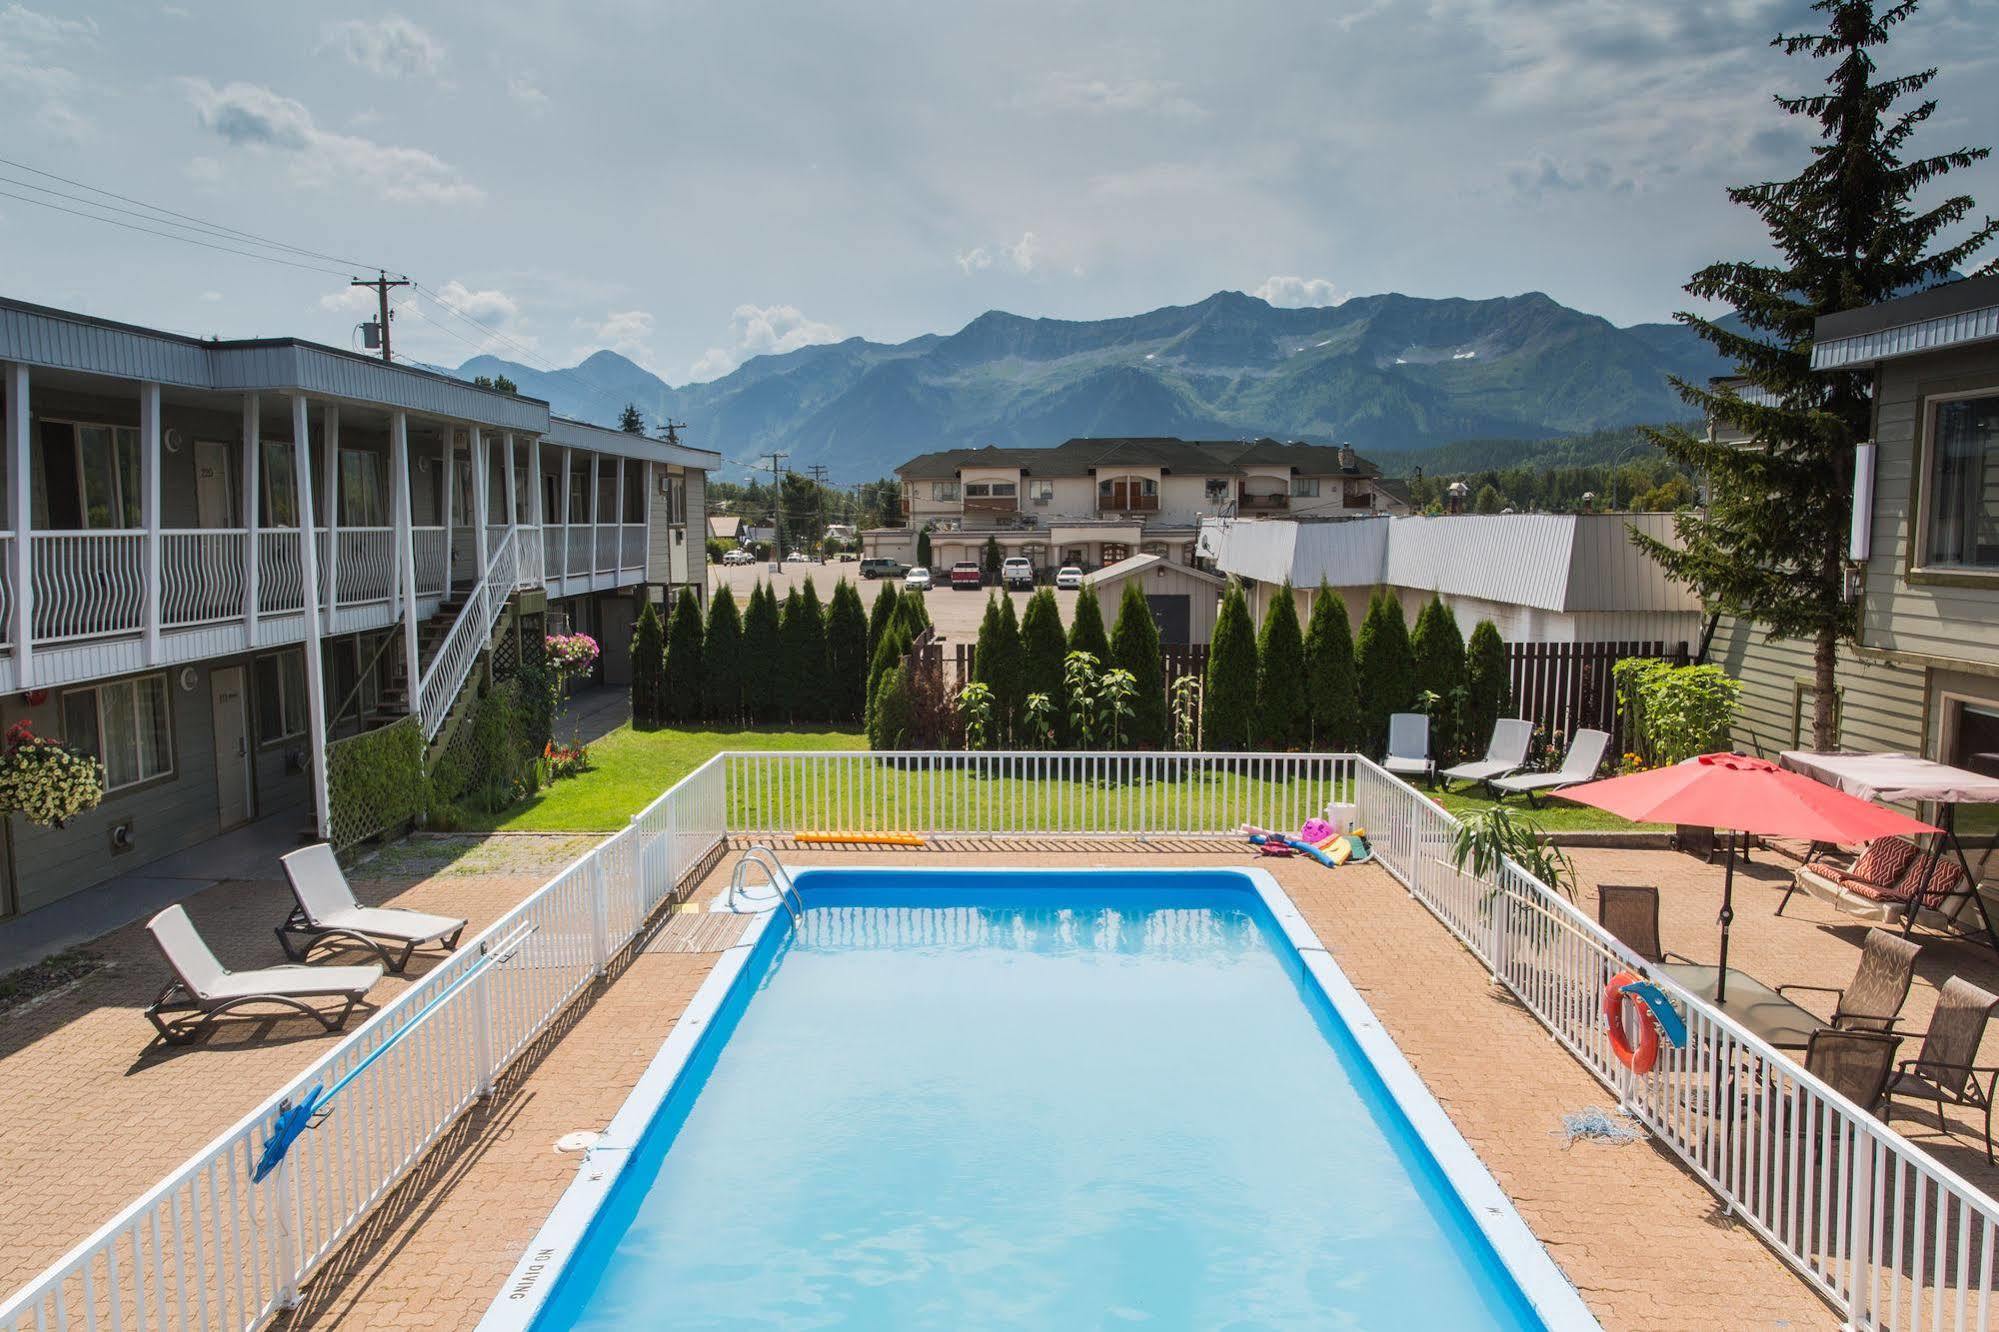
{"x":780,"y":879}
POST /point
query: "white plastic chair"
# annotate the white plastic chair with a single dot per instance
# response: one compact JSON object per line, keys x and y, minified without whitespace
{"x":1506,"y":753}
{"x":1579,"y":765}
{"x":203,"y":987}
{"x":1409,"y":746}
{"x":327,"y":910}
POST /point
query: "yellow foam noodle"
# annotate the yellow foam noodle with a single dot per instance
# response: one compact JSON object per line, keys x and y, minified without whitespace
{"x":1342,"y":850}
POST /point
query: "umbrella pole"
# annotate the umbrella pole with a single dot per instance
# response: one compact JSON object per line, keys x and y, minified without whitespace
{"x":1727,"y":917}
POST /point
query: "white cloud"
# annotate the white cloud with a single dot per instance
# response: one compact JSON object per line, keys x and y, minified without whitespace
{"x":762,"y":330}
{"x":21,"y":24}
{"x":626,"y":332}
{"x":391,"y":47}
{"x":1071,"y":91}
{"x":30,"y":75}
{"x":427,"y":331}
{"x":206,"y":170}
{"x":1024,"y":253}
{"x":527,"y":94}
{"x":255,"y":118}
{"x":973,"y":260}
{"x":1294,"y":293}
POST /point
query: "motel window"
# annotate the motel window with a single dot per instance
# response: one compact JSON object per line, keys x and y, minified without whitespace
{"x":361,"y":501}
{"x":1304,"y":487}
{"x":86,"y":476}
{"x":279,"y":484}
{"x":123,"y":725}
{"x":579,"y":491}
{"x":280,"y":696}
{"x":1963,"y":517}
{"x":1041,"y":492}
{"x":944,"y":492}
{"x":635,"y":492}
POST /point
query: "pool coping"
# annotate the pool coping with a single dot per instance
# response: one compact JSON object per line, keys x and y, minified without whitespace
{"x":1527,"y":1261}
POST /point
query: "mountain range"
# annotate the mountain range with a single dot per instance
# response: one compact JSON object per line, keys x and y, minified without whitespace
{"x":1389,"y":374}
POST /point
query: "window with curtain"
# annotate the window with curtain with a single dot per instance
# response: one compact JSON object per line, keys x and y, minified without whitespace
{"x":280,"y":485}
{"x":362,"y":503}
{"x":280,"y":696}
{"x":1304,"y":487}
{"x":125,"y":726}
{"x":1963,"y":519}
{"x":86,"y":476}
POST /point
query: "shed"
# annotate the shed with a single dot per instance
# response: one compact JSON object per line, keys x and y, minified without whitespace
{"x":724,"y":527}
{"x":1184,"y":599}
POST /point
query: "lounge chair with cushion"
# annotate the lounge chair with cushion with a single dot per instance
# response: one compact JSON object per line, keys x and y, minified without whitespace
{"x":203,"y":989}
{"x":1409,"y":746}
{"x":327,"y":911}
{"x":1505,"y":753}
{"x":1944,"y":1072}
{"x":1881,"y":886}
{"x":1579,"y":765}
{"x":1873,"y":1002}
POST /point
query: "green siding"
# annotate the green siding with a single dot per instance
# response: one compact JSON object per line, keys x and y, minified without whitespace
{"x":1881,"y":705}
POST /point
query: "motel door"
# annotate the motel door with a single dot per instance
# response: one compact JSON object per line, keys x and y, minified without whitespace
{"x":232,"y":746}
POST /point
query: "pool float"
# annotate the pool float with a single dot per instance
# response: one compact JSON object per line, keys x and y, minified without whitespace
{"x":1657,"y":1017}
{"x":859,"y":838}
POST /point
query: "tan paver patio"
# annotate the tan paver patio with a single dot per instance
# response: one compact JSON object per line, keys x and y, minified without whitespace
{"x":94,"y":1111}
{"x":1636,"y":1233}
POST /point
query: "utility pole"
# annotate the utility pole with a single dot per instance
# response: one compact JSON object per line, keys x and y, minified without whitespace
{"x":777,"y":509}
{"x":381,"y":282}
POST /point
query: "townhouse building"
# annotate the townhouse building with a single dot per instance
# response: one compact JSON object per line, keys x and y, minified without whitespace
{"x":219,"y":556}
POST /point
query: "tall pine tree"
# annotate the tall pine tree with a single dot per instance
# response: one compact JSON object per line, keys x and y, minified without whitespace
{"x":996,"y":665}
{"x":1488,"y":683}
{"x":1228,"y":708}
{"x":1385,"y":668}
{"x":1042,"y":649}
{"x":1086,"y":627}
{"x":1439,"y":652}
{"x":878,"y":617}
{"x":1331,"y":696}
{"x":648,"y":668}
{"x":1135,"y":648}
{"x":1280,"y":675}
{"x":762,"y":643}
{"x":1848,"y":232}
{"x":846,"y":655}
{"x":686,"y":681}
{"x":722,"y":660}
{"x":813,"y":675}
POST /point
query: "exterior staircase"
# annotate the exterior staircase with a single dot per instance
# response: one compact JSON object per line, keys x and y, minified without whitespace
{"x":392,"y":700}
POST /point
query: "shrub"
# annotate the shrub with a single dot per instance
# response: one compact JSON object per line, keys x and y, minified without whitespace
{"x":975,"y":704}
{"x":1086,"y":626}
{"x":1280,"y":675}
{"x":846,"y":654}
{"x":990,"y":558}
{"x":1228,"y":720}
{"x":791,"y":636}
{"x":1438,"y":650}
{"x":923,"y":548}
{"x":1010,"y":700}
{"x":813,"y":695}
{"x":722,"y":660}
{"x":1676,"y":712}
{"x":893,"y":647}
{"x":878,"y":618}
{"x":1135,"y":649}
{"x":890,"y":714}
{"x":1079,"y":681}
{"x":648,"y":668}
{"x":1331,"y":698}
{"x":1488,"y":683}
{"x":1042,"y":648}
{"x":1187,"y":712}
{"x":763,"y":696}
{"x":375,"y":781}
{"x":537,"y":691}
{"x":996,"y":666}
{"x":1385,"y":669}
{"x":686,"y":682}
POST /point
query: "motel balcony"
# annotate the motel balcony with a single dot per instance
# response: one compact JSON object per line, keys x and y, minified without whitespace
{"x":1248,"y":503}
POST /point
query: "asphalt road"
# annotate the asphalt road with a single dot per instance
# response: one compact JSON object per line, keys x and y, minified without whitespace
{"x":956,"y":614}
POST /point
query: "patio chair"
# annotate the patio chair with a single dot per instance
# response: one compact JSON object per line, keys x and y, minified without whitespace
{"x":1579,"y":765}
{"x":1944,"y":1070}
{"x":1630,"y":912}
{"x":1505,"y":753}
{"x":1856,"y":1064}
{"x":202,"y":989}
{"x":1873,"y":1002}
{"x":326,"y":911}
{"x":1409,"y":746}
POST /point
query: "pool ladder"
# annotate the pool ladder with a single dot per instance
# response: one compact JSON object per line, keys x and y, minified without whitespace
{"x":779,"y":877}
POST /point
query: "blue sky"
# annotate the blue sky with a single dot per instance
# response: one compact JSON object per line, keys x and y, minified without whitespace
{"x":691,"y":184}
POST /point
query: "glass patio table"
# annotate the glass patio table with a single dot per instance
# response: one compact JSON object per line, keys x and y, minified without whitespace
{"x":1756,"y":1006}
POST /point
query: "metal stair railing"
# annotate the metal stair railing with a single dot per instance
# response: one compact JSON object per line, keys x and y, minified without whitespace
{"x":446,"y":674}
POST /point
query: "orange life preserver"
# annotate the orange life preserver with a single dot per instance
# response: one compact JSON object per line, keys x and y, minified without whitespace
{"x":1642,"y":1058}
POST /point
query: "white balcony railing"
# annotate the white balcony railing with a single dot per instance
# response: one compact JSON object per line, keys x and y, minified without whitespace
{"x":579,"y":551}
{"x":607,"y":548}
{"x":531,"y":552}
{"x":280,"y":575}
{"x":467,"y":637}
{"x":633,"y":554}
{"x":367,"y":564}
{"x":427,"y":544}
{"x":202,"y":572}
{"x":554,"y":550}
{"x":88,"y":584}
{"x":6,"y":587}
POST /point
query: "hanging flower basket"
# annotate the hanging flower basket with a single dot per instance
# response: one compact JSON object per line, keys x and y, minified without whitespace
{"x":570,"y":655}
{"x":46,"y":781}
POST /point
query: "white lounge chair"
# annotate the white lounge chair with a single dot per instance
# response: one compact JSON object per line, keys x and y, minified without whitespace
{"x":1579,"y":765}
{"x":1505,"y":753}
{"x":1409,"y":746}
{"x":203,"y":989}
{"x":327,"y":910}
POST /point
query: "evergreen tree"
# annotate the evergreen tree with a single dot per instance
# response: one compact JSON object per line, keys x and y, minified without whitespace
{"x":792,"y":651}
{"x":1135,"y":648}
{"x":923,"y":549}
{"x":989,"y":560}
{"x":1042,"y":649}
{"x":1086,"y":626}
{"x":1228,"y":717}
{"x":1008,"y":706}
{"x":722,"y":660}
{"x":1488,"y":499}
{"x":1488,"y":683}
{"x":1438,"y":649}
{"x":897,"y":637}
{"x":878,"y":618}
{"x":686,"y":682}
{"x":846,"y":655}
{"x":996,"y":665}
{"x":891,"y":711}
{"x":631,"y":420}
{"x":648,"y":668}
{"x":1848,"y":231}
{"x":814,"y":669}
{"x":1280,"y":675}
{"x":762,"y":658}
{"x":1330,"y":691}
{"x":1385,"y":669}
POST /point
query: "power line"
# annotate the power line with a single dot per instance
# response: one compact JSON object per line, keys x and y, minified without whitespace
{"x":170,"y":235}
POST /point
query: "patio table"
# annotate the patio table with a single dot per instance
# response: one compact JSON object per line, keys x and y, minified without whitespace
{"x":1755,"y":1005}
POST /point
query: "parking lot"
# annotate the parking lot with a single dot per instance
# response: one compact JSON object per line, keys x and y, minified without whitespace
{"x":956,"y":614}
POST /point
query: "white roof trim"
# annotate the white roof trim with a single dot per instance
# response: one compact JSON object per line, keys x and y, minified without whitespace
{"x":1927,"y":335}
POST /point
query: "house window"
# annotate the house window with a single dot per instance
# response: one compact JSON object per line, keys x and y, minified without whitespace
{"x":280,"y":696}
{"x":86,"y":477}
{"x":579,"y":492}
{"x":1304,"y":487}
{"x":1041,"y":492}
{"x":361,"y":503}
{"x":944,"y":492}
{"x":279,"y":484}
{"x":124,"y":726}
{"x":1963,"y":518}
{"x":1217,"y":489}
{"x":990,"y":490}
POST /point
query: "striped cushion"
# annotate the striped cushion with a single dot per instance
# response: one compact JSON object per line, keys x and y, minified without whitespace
{"x":1945,"y":879}
{"x":1884,"y":861}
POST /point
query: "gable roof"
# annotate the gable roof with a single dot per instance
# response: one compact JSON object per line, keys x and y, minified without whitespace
{"x":1081,"y":456}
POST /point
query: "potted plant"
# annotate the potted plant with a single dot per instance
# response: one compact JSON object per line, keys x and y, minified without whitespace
{"x":44,"y":780}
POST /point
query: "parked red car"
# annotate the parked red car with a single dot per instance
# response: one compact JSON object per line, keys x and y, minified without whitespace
{"x":967,"y":574}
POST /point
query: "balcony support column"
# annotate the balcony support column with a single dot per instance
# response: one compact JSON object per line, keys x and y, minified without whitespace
{"x":596,"y":512}
{"x":149,"y":511}
{"x":482,"y":482}
{"x":399,"y":481}
{"x":450,"y":437}
{"x":315,"y":662}
{"x":509,"y":481}
{"x":618,"y":531}
{"x":567,"y":466}
{"x":253,"y":450}
{"x":536,"y":518}
{"x":329,"y":487}
{"x":21,"y":515}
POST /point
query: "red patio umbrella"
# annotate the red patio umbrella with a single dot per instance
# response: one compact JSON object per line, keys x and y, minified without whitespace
{"x":1741,"y":794}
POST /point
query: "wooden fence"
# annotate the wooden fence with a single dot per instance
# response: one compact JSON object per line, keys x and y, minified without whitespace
{"x":1561,"y":687}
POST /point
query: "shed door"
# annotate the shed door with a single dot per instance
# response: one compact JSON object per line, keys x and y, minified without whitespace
{"x":1175,"y":617}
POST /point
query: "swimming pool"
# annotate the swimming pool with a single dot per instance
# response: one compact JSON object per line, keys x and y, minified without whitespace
{"x":1033,"y":1099}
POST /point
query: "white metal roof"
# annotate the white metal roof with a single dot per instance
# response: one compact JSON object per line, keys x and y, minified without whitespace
{"x":1123,"y":569}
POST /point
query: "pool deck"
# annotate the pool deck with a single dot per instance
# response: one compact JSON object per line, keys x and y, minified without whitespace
{"x":1634,"y":1231}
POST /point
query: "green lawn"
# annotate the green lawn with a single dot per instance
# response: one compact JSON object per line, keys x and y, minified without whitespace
{"x":631,"y":768}
{"x":1555,"y":814}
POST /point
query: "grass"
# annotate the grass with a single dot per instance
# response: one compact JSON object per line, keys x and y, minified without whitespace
{"x":631,"y":768}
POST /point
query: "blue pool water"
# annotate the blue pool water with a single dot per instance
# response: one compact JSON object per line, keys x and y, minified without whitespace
{"x":985,"y":1100}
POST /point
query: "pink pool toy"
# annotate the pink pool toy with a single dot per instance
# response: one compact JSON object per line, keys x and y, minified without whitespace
{"x":1316,"y":831}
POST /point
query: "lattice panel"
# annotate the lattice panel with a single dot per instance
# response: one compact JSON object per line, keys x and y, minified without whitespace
{"x":375,"y":782}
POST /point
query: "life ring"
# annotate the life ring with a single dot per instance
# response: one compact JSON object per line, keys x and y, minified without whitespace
{"x":1641,"y":1059}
